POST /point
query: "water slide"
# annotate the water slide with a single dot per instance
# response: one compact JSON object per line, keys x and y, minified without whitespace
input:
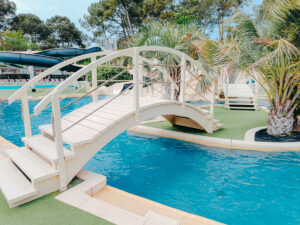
{"x":68,"y":52}
{"x":46,"y":58}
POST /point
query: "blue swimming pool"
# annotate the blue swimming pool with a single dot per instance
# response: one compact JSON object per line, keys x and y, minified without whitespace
{"x":19,"y":86}
{"x":230,"y":186}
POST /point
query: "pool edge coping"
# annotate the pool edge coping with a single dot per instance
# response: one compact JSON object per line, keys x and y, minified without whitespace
{"x":248,"y":143}
{"x":93,"y":183}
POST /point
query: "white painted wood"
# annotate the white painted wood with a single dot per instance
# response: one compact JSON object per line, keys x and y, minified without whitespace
{"x":182,"y":76}
{"x":31,"y":164}
{"x":136,"y":88}
{"x":51,"y":70}
{"x":25,"y":114}
{"x":58,"y":141}
{"x":213,"y":100}
{"x":94,"y":80}
{"x":13,"y":184}
{"x":46,"y":148}
{"x":125,"y":52}
{"x":71,"y":137}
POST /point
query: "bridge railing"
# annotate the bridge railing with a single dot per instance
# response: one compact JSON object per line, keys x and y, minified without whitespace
{"x":22,"y":93}
{"x":177,"y":87}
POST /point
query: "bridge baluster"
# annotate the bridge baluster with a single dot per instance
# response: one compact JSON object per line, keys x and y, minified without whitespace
{"x":94,"y":80}
{"x":25,"y":114}
{"x":57,"y":134}
{"x":182,"y":77}
{"x":136,"y":88}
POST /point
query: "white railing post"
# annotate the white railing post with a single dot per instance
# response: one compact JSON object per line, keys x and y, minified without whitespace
{"x":25,"y":114}
{"x":57,"y":134}
{"x":136,"y":88}
{"x":141,"y":85}
{"x":226,"y":86}
{"x":212,"y":102}
{"x":182,"y":76}
{"x":94,"y":80}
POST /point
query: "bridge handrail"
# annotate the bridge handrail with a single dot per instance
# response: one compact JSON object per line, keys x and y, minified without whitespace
{"x":94,"y":89}
{"x":59,"y":88}
{"x":125,"y":52}
{"x":52,"y":69}
{"x":101,"y":106}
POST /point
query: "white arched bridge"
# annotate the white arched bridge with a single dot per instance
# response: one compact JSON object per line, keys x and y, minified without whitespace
{"x":44,"y":165}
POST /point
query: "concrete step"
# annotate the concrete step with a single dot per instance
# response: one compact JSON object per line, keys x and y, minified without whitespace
{"x":15,"y":187}
{"x":153,"y":218}
{"x":35,"y":168}
{"x":46,"y":148}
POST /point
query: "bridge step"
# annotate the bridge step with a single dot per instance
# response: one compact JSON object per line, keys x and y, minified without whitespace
{"x":72,"y":137}
{"x":46,"y":148}
{"x":14,"y":185}
{"x":31,"y":164}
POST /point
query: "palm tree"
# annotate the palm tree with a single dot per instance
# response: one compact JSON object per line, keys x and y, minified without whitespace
{"x":177,"y":36}
{"x":266,"y":47}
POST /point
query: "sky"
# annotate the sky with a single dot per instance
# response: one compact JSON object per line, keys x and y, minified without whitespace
{"x":74,"y":9}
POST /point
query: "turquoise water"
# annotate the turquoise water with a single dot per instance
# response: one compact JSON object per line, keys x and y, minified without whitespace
{"x":230,"y":186}
{"x":19,"y":86}
{"x":36,"y":86}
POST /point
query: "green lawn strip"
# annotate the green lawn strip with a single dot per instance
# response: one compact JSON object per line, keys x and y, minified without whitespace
{"x":47,"y":211}
{"x":235,"y":123}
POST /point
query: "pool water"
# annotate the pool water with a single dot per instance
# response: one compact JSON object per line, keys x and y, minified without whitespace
{"x":230,"y":186}
{"x":36,"y":86}
{"x":19,"y":86}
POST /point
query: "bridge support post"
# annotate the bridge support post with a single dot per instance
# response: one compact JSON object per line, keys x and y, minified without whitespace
{"x":25,"y":114}
{"x":94,"y":80}
{"x":226,"y":87}
{"x":57,"y":134}
{"x":182,"y":77}
{"x":136,"y":88}
{"x":212,"y":102}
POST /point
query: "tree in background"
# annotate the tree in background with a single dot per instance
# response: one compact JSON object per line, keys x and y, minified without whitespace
{"x":7,"y":12}
{"x":266,"y":48}
{"x":63,"y":32}
{"x":16,"y":41}
{"x":163,"y":10}
{"x":177,"y":36}
{"x":210,"y":13}
{"x":32,"y":25}
{"x":125,"y":18}
{"x":113,"y":17}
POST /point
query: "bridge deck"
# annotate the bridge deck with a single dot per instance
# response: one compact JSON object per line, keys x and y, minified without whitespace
{"x":99,"y":121}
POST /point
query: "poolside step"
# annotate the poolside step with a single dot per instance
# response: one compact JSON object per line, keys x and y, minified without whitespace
{"x":154,"y":218}
{"x":14,"y":185}
{"x":248,"y":108}
{"x":46,"y":148}
{"x":35,"y":168}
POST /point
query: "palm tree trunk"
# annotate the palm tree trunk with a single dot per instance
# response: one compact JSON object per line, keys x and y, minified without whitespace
{"x":281,"y":121}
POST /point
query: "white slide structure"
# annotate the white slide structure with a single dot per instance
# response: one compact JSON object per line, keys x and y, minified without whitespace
{"x":239,"y":96}
{"x":44,"y":165}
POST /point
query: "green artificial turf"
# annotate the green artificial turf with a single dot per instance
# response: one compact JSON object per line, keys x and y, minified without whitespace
{"x":236,"y":123}
{"x":46,"y":211}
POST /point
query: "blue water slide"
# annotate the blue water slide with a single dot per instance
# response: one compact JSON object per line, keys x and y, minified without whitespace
{"x":46,"y":58}
{"x":68,"y":52}
{"x":33,"y":60}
